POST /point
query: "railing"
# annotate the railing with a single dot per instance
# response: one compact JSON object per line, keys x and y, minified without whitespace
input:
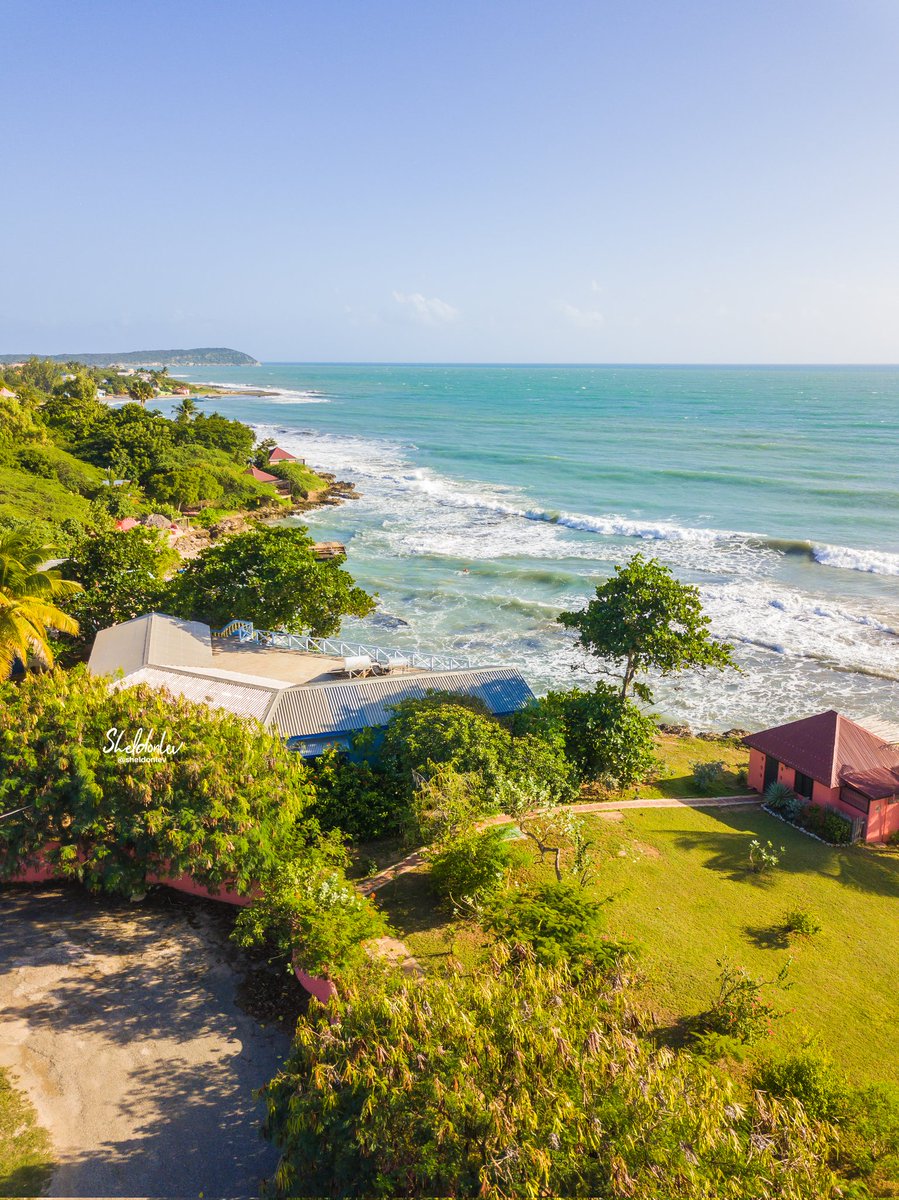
{"x":244,"y":631}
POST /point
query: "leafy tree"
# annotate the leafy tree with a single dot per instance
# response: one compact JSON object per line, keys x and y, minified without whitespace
{"x":446,"y":731}
{"x":355,"y":798}
{"x":227,"y":808}
{"x":41,"y":373}
{"x":136,"y":442}
{"x":184,"y":487}
{"x":262,"y":452}
{"x":516,"y":1080}
{"x":643,"y":619}
{"x":121,"y":574}
{"x":221,"y":433}
{"x":28,"y":611}
{"x":606,"y":737}
{"x":270,"y":576}
{"x":311,"y":914}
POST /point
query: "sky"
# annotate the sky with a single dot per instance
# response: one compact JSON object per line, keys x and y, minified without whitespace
{"x":466,"y":181}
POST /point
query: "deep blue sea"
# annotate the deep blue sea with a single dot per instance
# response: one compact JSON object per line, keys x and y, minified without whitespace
{"x":495,"y":496}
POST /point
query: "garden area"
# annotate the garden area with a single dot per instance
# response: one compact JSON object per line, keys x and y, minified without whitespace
{"x":680,"y":886}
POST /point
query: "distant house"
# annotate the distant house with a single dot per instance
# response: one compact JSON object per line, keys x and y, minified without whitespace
{"x":126,"y":523}
{"x":181,"y":391}
{"x":836,"y":763}
{"x":306,"y":697}
{"x":279,"y":455}
{"x":7,"y":394}
{"x":261,"y":476}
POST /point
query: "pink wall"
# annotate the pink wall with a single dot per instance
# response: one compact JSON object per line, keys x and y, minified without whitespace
{"x":43,"y":872}
{"x":756,"y":773}
{"x":883,"y":820}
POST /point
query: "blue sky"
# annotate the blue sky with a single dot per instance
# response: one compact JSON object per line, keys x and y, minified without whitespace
{"x":479,"y":180}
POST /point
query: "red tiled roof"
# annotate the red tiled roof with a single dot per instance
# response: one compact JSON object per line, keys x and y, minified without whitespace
{"x":261,"y":476}
{"x":825,"y":747}
{"x":126,"y":523}
{"x":279,"y":455}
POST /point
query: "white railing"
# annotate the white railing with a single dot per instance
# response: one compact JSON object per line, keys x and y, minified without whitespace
{"x":244,"y":631}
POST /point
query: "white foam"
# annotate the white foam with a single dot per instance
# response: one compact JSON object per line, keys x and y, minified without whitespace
{"x":873,"y":562}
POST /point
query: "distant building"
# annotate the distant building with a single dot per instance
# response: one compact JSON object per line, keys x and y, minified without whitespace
{"x":836,"y":763}
{"x":279,"y":455}
{"x":261,"y":476}
{"x":306,"y":697}
{"x":126,"y":523}
{"x":7,"y":394}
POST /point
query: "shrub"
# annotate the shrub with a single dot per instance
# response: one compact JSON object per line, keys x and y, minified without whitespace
{"x":739,"y":1010}
{"x":312,"y":914}
{"x":807,"y":1077}
{"x":707,"y":775}
{"x":836,"y":827}
{"x":763,"y":857}
{"x":227,"y":807}
{"x":606,"y":738}
{"x":356,"y":798}
{"x":868,"y":1147}
{"x":471,"y":867}
{"x":801,"y":922}
{"x":778,"y":795}
{"x":560,"y":923}
{"x":518,"y":1081}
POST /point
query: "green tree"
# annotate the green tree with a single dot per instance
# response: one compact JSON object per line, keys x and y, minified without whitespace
{"x":133,"y":440}
{"x":228,"y":806}
{"x":121,"y":574}
{"x":515,"y":1080}
{"x":186,"y":410}
{"x":28,"y":596}
{"x":270,"y":576}
{"x":140,"y":390}
{"x":643,"y":619}
{"x":41,"y":373}
{"x":184,"y":487}
{"x":219,"y":433}
{"x":606,"y":737}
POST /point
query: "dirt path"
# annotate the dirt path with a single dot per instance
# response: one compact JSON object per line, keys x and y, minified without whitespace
{"x":121,"y":1025}
{"x":414,"y":860}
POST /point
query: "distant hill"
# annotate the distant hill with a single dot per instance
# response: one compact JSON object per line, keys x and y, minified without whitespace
{"x":201,"y":356}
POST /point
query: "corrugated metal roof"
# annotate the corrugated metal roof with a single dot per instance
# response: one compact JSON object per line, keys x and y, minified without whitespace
{"x":881,"y":783}
{"x":317,"y":709}
{"x":824,"y":747}
{"x":244,"y":699}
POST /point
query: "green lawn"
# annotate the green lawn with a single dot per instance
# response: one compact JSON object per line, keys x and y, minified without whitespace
{"x":682,"y":891}
{"x":24,"y":1147}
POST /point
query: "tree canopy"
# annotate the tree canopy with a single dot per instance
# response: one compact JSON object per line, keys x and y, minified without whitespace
{"x":28,"y":595}
{"x":643,"y":619}
{"x":270,"y":576}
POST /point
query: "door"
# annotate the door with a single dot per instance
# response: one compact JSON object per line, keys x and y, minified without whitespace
{"x":771,"y":769}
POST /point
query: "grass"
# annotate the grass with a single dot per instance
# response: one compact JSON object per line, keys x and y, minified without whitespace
{"x":678,"y":754}
{"x":25,"y":1162}
{"x":28,"y":497}
{"x":682,"y":890}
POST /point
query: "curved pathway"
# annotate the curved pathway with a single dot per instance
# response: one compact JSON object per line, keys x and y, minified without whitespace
{"x":414,"y":860}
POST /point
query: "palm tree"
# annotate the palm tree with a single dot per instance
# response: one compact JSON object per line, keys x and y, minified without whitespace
{"x":27,"y":611}
{"x":186,"y":410}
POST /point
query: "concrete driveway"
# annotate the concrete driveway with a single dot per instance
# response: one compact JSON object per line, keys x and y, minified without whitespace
{"x":120,"y":1023}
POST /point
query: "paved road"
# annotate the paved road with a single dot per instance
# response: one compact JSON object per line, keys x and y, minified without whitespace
{"x":120,"y":1023}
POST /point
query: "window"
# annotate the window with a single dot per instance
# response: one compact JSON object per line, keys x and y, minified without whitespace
{"x":804,"y":785}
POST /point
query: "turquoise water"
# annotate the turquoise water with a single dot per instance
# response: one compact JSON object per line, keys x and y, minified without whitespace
{"x":494,"y":496}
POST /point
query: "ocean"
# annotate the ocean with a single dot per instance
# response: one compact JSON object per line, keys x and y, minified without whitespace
{"x":493,"y":497}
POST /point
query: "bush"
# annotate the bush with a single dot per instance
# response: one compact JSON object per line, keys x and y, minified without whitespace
{"x":707,"y":775}
{"x":226,"y":807}
{"x":518,"y":1081}
{"x":560,"y":923}
{"x":606,"y":738}
{"x":739,"y":1011}
{"x":827,"y":824}
{"x":356,"y":798}
{"x":807,"y":1077}
{"x":313,"y":915}
{"x":801,"y":922}
{"x":763,"y":857}
{"x":471,"y":867}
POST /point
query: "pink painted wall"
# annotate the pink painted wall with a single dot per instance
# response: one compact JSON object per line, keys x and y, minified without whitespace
{"x":43,"y":872}
{"x":756,"y":773}
{"x":883,"y":820}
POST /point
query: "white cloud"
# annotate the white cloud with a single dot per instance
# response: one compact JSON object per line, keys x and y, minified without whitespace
{"x":582,"y":318}
{"x":429,"y":312}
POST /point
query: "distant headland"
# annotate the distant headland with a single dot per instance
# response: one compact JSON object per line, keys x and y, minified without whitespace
{"x":201,"y":356}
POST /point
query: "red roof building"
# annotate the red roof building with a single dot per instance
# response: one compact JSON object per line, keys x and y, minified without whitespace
{"x":126,"y":523}
{"x":834,"y":762}
{"x":261,"y":476}
{"x":279,"y":455}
